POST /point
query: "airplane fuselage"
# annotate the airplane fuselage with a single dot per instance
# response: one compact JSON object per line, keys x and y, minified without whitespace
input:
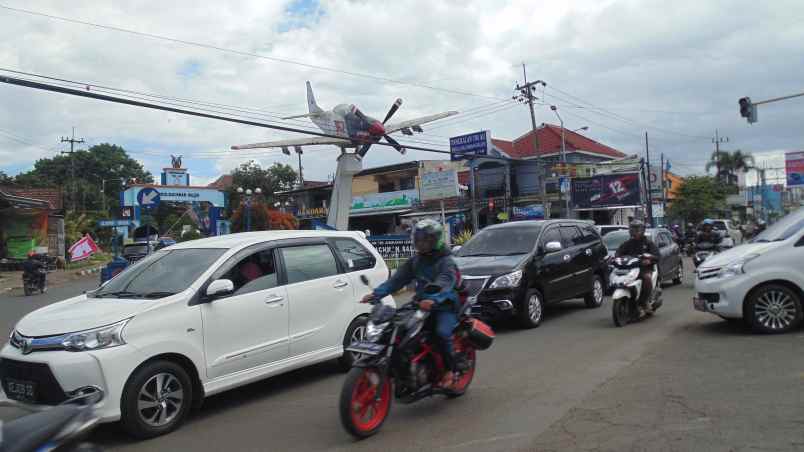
{"x":346,"y":121}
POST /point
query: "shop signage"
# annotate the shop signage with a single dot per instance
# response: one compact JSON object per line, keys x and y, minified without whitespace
{"x":529,"y":212}
{"x":469,"y":145}
{"x":439,"y":185}
{"x":606,"y":191}
{"x":392,"y":246}
{"x":382,"y":201}
{"x":150,"y":196}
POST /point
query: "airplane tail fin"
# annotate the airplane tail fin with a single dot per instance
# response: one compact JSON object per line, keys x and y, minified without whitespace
{"x":311,"y":104}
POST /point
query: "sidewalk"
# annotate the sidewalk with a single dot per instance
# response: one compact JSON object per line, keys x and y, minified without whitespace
{"x":13,"y":280}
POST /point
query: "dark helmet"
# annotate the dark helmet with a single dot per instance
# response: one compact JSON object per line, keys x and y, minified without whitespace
{"x":707,"y":225}
{"x":428,"y":236}
{"x":636,"y":228}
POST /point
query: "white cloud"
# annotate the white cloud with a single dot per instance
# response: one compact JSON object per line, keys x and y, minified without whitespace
{"x":639,"y":59}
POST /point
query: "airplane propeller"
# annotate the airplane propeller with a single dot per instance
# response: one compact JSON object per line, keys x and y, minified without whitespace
{"x":394,"y":107}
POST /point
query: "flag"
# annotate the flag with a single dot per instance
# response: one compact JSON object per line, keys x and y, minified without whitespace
{"x":82,"y":249}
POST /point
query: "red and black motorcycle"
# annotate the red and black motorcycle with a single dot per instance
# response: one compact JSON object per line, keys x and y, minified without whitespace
{"x":398,"y":359}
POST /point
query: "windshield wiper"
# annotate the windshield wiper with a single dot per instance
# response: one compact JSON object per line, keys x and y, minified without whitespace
{"x":158,"y":294}
{"x":119,"y":294}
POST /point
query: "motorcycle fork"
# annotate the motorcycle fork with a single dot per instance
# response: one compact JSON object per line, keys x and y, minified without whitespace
{"x":384,"y":371}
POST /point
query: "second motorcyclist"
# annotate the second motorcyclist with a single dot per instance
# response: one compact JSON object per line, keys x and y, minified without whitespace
{"x":431,"y":266}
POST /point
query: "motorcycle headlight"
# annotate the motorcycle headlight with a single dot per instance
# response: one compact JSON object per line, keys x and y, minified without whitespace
{"x":735,"y":268}
{"x":373,"y":332}
{"x":507,"y":280}
{"x":96,"y":338}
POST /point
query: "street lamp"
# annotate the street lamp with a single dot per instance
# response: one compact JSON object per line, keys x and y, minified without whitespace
{"x":247,"y":203}
{"x":563,"y":155}
{"x":282,"y":206}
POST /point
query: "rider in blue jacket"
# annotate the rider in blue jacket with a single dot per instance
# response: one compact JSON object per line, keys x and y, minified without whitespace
{"x":431,"y":266}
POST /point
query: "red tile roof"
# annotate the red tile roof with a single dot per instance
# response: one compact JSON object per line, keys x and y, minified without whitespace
{"x":222,"y":182}
{"x":550,"y":143}
{"x":50,"y":195}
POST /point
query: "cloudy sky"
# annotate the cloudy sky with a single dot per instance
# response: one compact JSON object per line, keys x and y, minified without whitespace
{"x":673,"y":69}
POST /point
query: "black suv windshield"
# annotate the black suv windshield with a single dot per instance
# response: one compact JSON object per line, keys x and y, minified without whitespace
{"x":782,"y":229}
{"x":161,"y":274}
{"x":507,"y":241}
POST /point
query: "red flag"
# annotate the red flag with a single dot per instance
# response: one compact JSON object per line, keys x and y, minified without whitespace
{"x":82,"y":249}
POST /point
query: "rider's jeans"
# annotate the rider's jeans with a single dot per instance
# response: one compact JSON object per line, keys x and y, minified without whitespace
{"x":445,"y":322}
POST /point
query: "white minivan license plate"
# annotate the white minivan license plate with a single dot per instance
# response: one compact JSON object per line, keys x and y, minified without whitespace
{"x":24,"y":391}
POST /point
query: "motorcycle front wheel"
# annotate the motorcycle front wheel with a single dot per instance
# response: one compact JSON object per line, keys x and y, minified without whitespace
{"x":620,"y":312}
{"x":365,"y":401}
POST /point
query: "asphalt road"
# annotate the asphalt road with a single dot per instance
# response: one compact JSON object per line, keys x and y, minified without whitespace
{"x":681,"y":380}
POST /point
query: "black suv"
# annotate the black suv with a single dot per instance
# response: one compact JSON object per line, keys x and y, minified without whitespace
{"x":514,"y":269}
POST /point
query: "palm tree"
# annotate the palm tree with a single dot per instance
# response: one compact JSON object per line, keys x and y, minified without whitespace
{"x":729,"y":163}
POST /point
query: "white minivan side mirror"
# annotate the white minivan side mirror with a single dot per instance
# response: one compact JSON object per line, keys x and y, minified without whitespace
{"x":220,"y":287}
{"x":456,"y":248}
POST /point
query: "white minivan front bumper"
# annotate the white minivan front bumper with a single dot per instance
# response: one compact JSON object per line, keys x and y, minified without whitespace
{"x":55,"y":374}
{"x":721,"y":296}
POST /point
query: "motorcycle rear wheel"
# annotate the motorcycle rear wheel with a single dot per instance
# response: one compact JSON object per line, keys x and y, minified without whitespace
{"x":620,"y":312}
{"x":465,"y":378}
{"x":364,"y":405}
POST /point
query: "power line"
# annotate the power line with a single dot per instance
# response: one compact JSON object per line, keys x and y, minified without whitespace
{"x":88,"y":94}
{"x":244,"y":53}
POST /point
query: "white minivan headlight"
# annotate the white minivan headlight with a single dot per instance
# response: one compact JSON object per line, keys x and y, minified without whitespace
{"x":507,"y":280}
{"x":96,"y":338}
{"x":736,"y":268}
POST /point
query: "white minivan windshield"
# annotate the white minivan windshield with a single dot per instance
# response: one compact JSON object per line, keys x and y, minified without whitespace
{"x":782,"y":229}
{"x":161,"y":274}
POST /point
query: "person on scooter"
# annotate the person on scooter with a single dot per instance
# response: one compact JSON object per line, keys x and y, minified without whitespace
{"x":431,"y":266}
{"x":31,"y":268}
{"x":708,"y":234}
{"x":638,"y":245}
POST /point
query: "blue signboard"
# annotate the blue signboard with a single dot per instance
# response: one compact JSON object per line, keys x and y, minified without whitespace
{"x":148,"y":197}
{"x":473,"y":144}
{"x":134,"y":195}
{"x":114,"y":223}
{"x":529,"y":212}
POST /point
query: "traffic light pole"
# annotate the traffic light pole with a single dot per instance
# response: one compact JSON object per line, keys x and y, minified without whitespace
{"x":777,"y":99}
{"x":748,"y":109}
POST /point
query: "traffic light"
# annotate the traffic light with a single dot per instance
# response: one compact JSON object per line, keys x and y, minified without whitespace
{"x":748,"y":110}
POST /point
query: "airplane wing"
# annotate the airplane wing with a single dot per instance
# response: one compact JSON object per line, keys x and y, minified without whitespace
{"x":295,"y":142}
{"x":389,"y":128}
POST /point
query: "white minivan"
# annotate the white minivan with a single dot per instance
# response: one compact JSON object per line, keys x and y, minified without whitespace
{"x":195,"y":319}
{"x":760,"y":282}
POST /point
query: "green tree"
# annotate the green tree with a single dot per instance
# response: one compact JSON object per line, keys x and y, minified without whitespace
{"x":102,"y":162}
{"x":698,"y":198}
{"x":5,"y":179}
{"x":277,"y":177}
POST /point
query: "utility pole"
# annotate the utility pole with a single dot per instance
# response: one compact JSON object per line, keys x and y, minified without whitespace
{"x":72,"y":142}
{"x":717,"y":140}
{"x":526,"y":95}
{"x":664,"y":188}
{"x":650,"y":195}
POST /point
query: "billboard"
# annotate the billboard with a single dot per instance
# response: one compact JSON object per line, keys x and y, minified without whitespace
{"x":469,"y":145}
{"x":794,"y":168}
{"x":606,"y":191}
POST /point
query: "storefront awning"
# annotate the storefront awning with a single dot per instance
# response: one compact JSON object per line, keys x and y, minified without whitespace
{"x":434,"y":212}
{"x":377,"y":212}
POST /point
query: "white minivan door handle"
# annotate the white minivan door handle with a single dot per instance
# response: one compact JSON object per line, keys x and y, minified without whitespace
{"x":340,"y":284}
{"x":273,"y":299}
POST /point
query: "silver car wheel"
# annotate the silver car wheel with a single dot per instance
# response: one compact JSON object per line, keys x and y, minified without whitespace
{"x":160,"y":399}
{"x":775,"y":309}
{"x":597,"y":292}
{"x":534,"y":308}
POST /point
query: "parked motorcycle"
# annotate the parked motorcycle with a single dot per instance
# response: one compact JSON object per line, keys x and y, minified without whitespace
{"x":62,"y":428}
{"x":703,"y":251}
{"x":628,"y":286}
{"x":398,"y":359}
{"x":35,"y":281}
